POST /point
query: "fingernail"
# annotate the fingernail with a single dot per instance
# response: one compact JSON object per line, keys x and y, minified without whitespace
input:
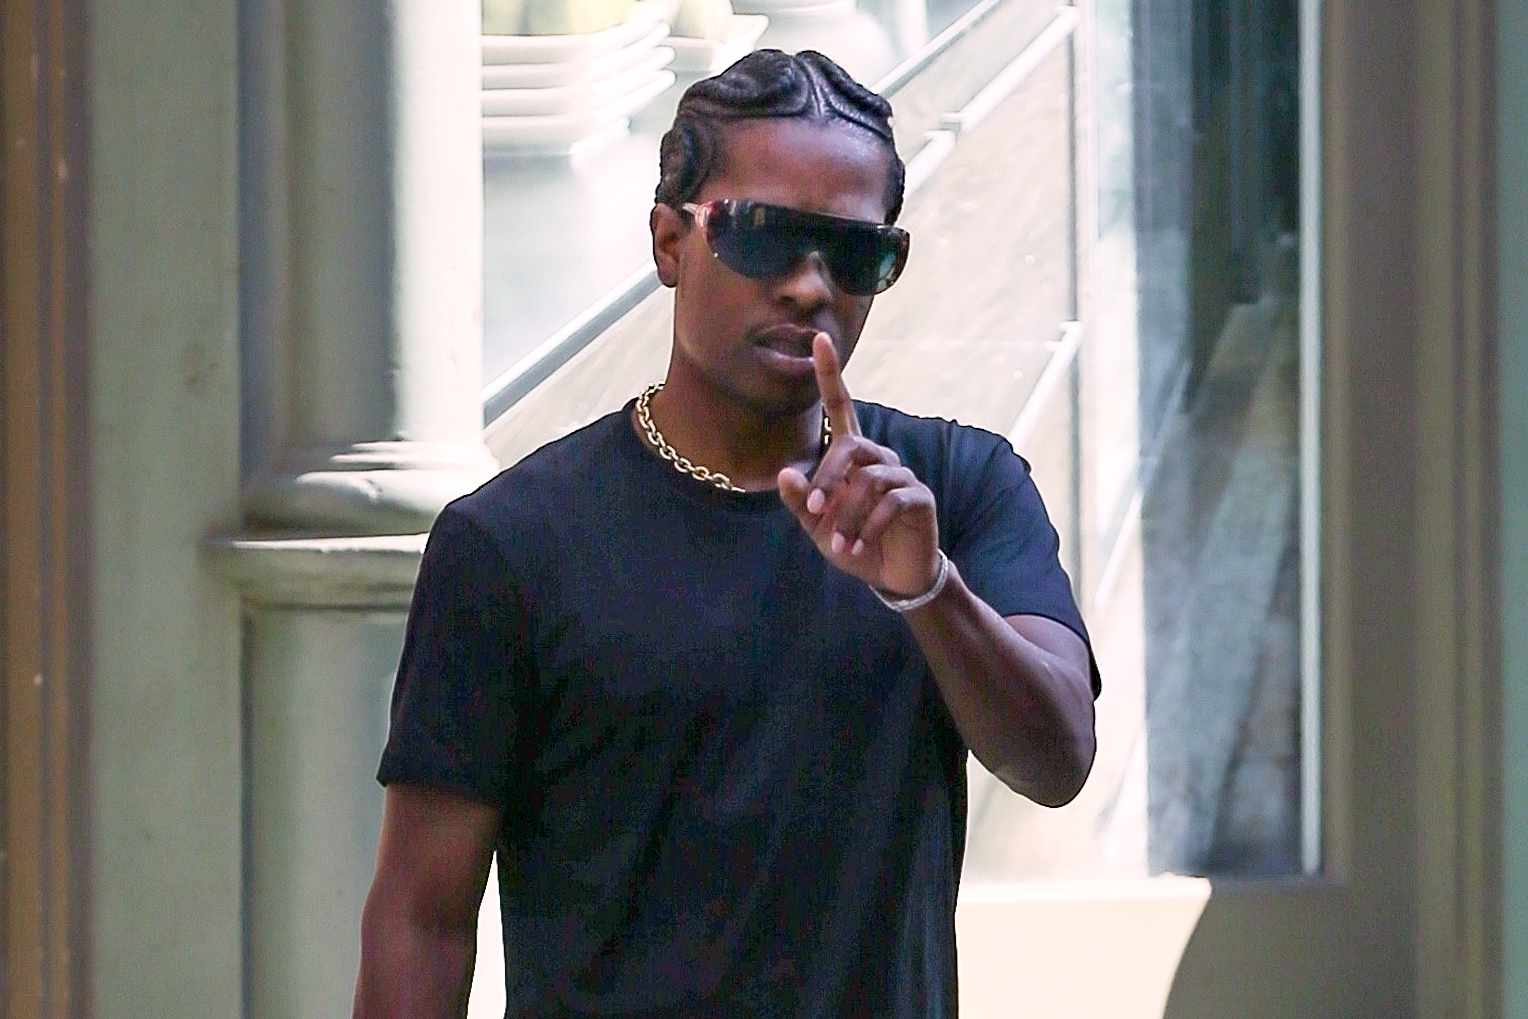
{"x":815,"y":500}
{"x":837,"y":543}
{"x":859,"y":546}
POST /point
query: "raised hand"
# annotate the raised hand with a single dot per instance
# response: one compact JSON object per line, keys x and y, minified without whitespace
{"x":870,"y":516}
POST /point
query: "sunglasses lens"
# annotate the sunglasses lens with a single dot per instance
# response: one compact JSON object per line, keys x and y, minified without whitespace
{"x":863,"y":262}
{"x":760,"y":241}
{"x":747,"y":242}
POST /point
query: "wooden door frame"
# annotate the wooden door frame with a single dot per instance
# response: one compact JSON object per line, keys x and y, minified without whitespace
{"x":1459,"y":644}
{"x":1403,"y":917}
{"x":44,"y":639}
{"x":1411,"y":666}
{"x":1410,"y":628}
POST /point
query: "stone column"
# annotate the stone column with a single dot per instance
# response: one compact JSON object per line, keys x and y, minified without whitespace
{"x":363,"y":263}
{"x":378,"y":360}
{"x":324,"y":621}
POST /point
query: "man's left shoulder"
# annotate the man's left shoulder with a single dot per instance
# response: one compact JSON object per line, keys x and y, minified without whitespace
{"x":935,"y":444}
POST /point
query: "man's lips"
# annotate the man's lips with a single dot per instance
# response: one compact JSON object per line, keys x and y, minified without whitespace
{"x":791,"y":340}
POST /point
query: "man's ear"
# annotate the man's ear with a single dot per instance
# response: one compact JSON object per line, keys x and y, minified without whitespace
{"x":668,"y":227}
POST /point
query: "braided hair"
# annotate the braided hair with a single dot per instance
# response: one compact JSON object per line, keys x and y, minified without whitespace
{"x":767,"y":83}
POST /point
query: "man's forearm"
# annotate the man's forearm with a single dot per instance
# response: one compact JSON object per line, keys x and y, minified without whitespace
{"x":1025,"y":713}
{"x":409,"y":969}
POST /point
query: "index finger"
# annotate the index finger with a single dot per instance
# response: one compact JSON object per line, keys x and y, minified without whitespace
{"x":830,"y":384}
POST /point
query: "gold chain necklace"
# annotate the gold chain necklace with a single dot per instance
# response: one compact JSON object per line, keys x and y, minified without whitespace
{"x":682,"y":463}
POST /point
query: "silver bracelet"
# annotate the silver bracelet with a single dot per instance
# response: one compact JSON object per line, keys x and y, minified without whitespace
{"x":917,"y":602}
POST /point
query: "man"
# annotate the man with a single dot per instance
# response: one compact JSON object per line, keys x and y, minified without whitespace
{"x":705,"y":672}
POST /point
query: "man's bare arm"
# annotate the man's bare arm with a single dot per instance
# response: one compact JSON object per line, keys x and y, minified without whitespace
{"x":1018,"y":688}
{"x":419,"y":927}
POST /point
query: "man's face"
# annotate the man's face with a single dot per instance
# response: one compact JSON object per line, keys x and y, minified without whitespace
{"x":727,"y":326}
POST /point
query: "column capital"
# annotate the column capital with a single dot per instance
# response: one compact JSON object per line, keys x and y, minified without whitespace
{"x":365,"y":324}
{"x":365,"y":488}
{"x":279,"y":571}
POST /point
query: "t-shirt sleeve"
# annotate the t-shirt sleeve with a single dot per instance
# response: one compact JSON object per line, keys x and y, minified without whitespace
{"x":455,"y":714}
{"x":1008,"y":551}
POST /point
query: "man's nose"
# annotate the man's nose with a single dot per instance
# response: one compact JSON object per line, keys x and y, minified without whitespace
{"x":807,"y":283}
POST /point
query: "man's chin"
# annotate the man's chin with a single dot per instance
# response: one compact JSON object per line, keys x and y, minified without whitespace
{"x":784,"y":400}
{"x":768,"y":394}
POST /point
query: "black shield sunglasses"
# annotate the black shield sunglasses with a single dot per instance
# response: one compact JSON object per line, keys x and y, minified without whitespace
{"x":760,"y":241}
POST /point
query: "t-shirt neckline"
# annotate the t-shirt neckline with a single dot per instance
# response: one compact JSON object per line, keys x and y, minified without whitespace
{"x":646,"y":460}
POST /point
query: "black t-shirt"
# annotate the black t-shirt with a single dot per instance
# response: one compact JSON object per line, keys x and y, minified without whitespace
{"x":731,"y":785}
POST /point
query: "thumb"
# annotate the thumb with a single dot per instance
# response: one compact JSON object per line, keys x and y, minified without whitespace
{"x":794,"y":487}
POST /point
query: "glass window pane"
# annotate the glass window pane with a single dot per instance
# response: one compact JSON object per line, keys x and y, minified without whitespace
{"x":979,"y":312}
{"x":1187,"y":470}
{"x":1104,"y":270}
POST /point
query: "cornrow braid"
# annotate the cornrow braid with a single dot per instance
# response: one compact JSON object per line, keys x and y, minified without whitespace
{"x":767,"y":83}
